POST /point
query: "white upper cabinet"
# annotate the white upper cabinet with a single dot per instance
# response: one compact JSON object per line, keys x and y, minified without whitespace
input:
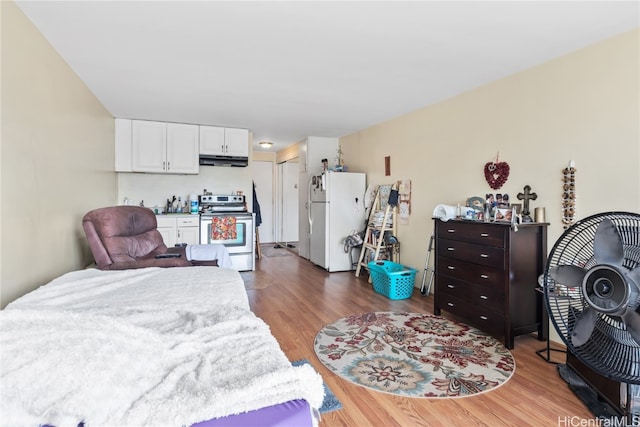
{"x":183,"y":146}
{"x":164,"y":147}
{"x":218,"y":141}
{"x":237,"y":142}
{"x":123,"y":145}
{"x":212,"y":140}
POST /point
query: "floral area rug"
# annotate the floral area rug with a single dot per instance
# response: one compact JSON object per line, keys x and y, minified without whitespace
{"x":414,"y":355}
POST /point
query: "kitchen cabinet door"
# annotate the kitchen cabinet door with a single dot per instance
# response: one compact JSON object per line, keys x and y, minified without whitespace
{"x":123,"y":145}
{"x":188,"y":235}
{"x":236,"y":142}
{"x":182,"y":148}
{"x":212,"y":140}
{"x":188,"y":230}
{"x":167,"y":230}
{"x":149,"y":152}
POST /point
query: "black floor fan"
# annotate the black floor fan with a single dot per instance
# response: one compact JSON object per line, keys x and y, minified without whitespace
{"x":592,"y":292}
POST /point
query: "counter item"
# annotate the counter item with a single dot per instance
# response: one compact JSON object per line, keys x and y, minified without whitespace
{"x":194,"y":207}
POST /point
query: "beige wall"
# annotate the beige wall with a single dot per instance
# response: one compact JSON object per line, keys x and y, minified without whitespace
{"x":582,"y":107}
{"x":57,"y":159}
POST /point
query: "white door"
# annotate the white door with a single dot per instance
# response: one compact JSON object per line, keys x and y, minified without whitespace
{"x":289,"y":192}
{"x":263,"y":177}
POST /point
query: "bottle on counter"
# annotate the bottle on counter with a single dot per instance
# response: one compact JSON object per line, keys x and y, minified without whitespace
{"x":193,"y":204}
{"x":179,"y":208}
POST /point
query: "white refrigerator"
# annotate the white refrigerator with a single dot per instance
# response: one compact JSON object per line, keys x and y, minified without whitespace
{"x":336,"y":210}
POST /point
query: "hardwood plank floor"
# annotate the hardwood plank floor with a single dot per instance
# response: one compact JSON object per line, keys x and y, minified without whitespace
{"x":303,"y":298}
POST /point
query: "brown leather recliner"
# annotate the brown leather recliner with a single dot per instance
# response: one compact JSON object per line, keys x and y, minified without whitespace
{"x":124,"y":237}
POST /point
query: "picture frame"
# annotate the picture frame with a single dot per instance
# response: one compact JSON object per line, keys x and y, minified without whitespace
{"x":503,"y":215}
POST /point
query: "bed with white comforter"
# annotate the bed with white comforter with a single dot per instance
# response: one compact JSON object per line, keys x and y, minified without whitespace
{"x":153,"y":346}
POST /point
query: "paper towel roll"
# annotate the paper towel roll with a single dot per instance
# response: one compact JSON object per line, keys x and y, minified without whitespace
{"x":445,"y":212}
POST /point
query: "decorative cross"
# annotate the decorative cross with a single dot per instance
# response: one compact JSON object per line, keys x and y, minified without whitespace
{"x":526,"y":196}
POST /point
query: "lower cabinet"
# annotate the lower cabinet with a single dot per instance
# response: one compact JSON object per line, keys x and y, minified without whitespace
{"x":179,"y":229}
{"x":486,"y":274}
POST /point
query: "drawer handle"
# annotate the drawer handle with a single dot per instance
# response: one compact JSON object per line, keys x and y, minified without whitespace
{"x":484,"y":256}
{"x":484,"y":317}
{"x":484,"y":234}
{"x":450,"y":267}
{"x":451,"y":249}
{"x":484,"y":297}
{"x":451,"y":231}
{"x":484,"y":276}
{"x":450,"y":286}
{"x":450,"y":304}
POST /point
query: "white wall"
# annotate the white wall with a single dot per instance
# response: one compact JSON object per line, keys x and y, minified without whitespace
{"x":583,"y":106}
{"x":57,"y":159}
{"x":155,"y":189}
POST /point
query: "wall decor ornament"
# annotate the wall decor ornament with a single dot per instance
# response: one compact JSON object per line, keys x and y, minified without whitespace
{"x":569,"y":195}
{"x":496,"y":173}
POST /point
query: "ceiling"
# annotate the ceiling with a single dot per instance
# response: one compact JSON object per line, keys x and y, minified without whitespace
{"x":287,"y":70}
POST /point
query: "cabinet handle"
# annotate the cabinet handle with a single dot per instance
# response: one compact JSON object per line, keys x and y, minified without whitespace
{"x":451,"y":249}
{"x":450,"y":286}
{"x":450,"y":304}
{"x":484,"y":317}
{"x":484,"y":276}
{"x":450,"y":267}
{"x":484,"y":297}
{"x":451,"y":231}
{"x":484,"y":234}
{"x":164,"y":166}
{"x":222,"y":148}
{"x":484,"y":256}
{"x":168,"y":165}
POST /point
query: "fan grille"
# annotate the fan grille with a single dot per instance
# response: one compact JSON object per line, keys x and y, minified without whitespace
{"x":611,"y":351}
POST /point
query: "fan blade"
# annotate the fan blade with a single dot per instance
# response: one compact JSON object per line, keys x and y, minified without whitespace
{"x":631,"y":319}
{"x":569,"y":275}
{"x":607,"y":244}
{"x":584,"y":326}
{"x":634,"y":277}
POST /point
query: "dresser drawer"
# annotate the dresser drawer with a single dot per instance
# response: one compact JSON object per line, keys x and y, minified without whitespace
{"x":490,"y":256}
{"x":469,"y":272}
{"x":479,"y":233}
{"x":489,"y":296}
{"x":479,"y":316}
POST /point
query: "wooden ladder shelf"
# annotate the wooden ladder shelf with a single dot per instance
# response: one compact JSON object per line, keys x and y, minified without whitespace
{"x":374,"y":237}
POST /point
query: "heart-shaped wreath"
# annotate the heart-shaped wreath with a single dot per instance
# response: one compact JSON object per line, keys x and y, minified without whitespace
{"x":496,"y":174}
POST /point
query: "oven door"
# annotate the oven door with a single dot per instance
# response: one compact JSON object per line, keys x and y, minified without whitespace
{"x":238,"y":240}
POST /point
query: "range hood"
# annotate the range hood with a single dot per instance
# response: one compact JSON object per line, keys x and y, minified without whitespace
{"x":216,"y":160}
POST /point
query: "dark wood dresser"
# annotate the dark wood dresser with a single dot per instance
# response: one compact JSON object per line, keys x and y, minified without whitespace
{"x":486,"y":274}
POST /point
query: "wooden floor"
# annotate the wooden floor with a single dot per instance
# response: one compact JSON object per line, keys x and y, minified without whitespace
{"x":302,"y":298}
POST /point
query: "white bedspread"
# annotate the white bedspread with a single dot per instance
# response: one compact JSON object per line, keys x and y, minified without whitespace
{"x":142,"y":347}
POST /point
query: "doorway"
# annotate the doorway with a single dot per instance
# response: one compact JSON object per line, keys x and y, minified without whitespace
{"x":263,"y":178}
{"x":287,"y":223}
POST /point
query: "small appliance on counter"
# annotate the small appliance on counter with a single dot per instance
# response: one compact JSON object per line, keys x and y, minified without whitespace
{"x":224,"y":219}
